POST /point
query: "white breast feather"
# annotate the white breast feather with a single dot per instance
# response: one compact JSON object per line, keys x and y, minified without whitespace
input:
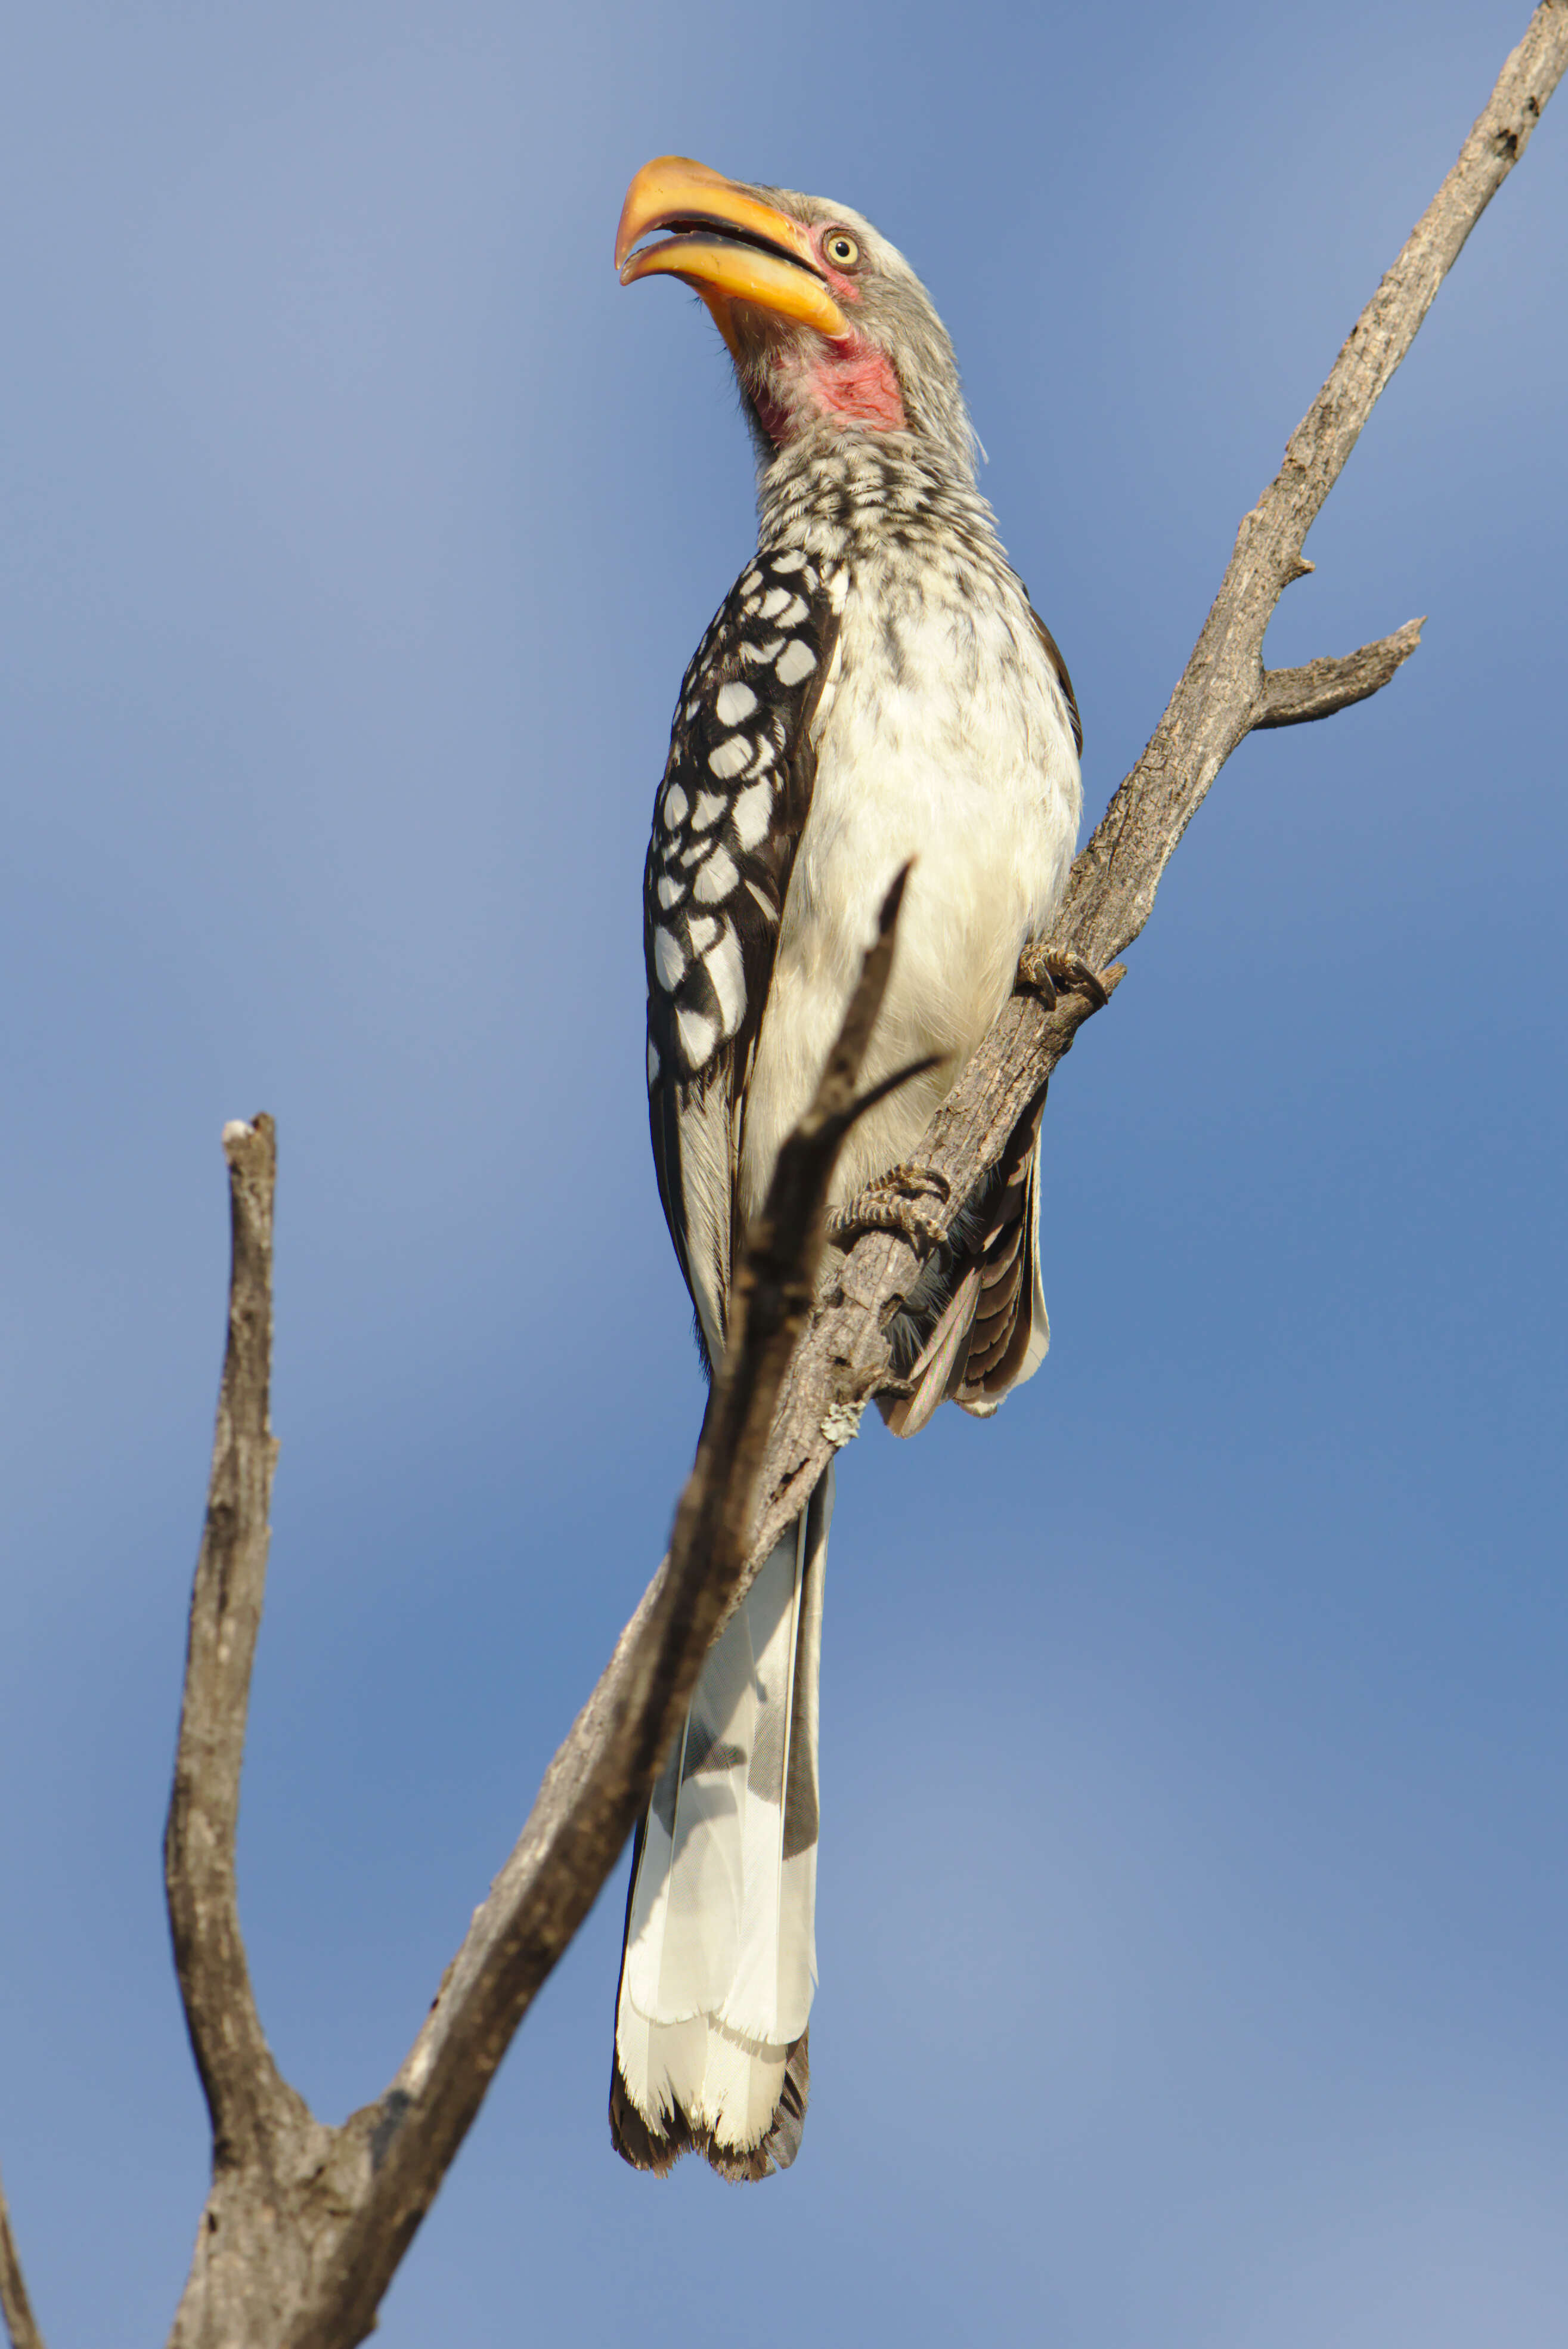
{"x":955,"y":754}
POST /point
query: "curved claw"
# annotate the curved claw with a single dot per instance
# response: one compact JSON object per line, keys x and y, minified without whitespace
{"x":869,"y":1214}
{"x":1050,"y":971}
{"x":888,"y":1205}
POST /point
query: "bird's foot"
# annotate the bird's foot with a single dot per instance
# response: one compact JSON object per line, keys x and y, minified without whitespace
{"x":1048,"y":971}
{"x":890,"y":1203}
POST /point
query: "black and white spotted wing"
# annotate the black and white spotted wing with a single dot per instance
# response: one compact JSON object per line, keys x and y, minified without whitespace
{"x":729,"y":814}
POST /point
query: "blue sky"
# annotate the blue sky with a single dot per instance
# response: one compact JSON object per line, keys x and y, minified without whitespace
{"x":1192,"y":1907}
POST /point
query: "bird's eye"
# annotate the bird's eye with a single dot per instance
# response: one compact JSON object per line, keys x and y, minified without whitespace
{"x":840,"y":250}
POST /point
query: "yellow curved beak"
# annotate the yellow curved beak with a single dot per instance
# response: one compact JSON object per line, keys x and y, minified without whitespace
{"x":727,"y":243}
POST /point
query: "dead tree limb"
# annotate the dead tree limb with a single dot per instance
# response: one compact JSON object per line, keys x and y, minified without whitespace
{"x":1223,"y":693}
{"x":269,"y":2155}
{"x":600,"y":1780}
{"x":304,"y":2226}
{"x":226,"y":2038}
{"x":21,"y":2324}
{"x":1291,"y":696}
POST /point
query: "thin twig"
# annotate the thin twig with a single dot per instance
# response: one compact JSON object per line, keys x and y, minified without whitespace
{"x":1223,"y":692}
{"x":21,"y":2324}
{"x":242,"y":2081}
{"x":1293,"y":697}
{"x":1111,"y":893}
{"x":280,"y":2180}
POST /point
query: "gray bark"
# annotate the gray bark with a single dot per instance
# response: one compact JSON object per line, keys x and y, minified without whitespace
{"x":1223,"y":693}
{"x":304,"y":2226}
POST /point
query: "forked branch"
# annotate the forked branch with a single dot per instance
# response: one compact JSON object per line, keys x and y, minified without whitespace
{"x":304,"y":2226}
{"x":600,"y":1780}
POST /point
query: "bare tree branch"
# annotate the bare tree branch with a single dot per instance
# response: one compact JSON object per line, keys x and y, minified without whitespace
{"x":21,"y":2324}
{"x":231,"y":2054}
{"x":304,"y":2226}
{"x":269,"y":2156}
{"x":1112,"y":889}
{"x":1224,"y":692}
{"x":600,"y":1780}
{"x":1291,"y":696}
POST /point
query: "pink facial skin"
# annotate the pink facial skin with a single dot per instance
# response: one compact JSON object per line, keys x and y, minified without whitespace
{"x":848,"y":378}
{"x":853,"y":380}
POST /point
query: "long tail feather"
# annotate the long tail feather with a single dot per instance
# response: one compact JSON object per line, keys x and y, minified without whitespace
{"x":719,"y":1959}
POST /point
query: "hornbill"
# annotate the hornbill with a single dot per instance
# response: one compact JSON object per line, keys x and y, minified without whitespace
{"x":874,"y":689}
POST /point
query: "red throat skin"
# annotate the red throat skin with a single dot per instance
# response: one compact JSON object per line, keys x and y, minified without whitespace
{"x":858,"y":383}
{"x":851,"y":382}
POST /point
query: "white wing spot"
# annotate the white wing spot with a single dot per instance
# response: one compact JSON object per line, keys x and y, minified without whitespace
{"x":703,"y":932}
{"x":716,"y":879}
{"x":675,"y":805}
{"x":710,"y":806}
{"x":790,"y":559}
{"x":727,"y":972}
{"x":752,"y":813}
{"x":792,"y":613}
{"x":730,"y":757}
{"x":669,"y":890}
{"x":763,"y":761}
{"x":697,"y":1034}
{"x":652,"y":1062}
{"x":798,"y":660}
{"x":764,"y":900}
{"x":734,"y":702}
{"x":669,"y":959}
{"x":773,"y":602}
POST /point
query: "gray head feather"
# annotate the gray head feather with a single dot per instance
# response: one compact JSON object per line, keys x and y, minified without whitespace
{"x":894,"y":314}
